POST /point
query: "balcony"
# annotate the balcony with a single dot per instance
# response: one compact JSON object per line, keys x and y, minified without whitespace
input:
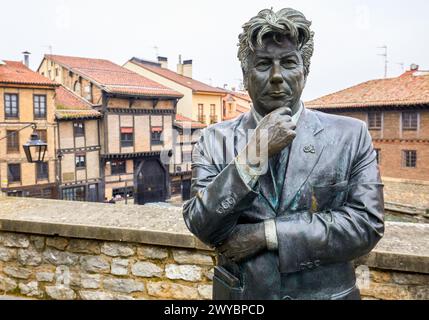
{"x":213,"y":119}
{"x":202,"y":119}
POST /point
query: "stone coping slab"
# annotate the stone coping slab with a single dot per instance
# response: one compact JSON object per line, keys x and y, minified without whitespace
{"x":405,"y":246}
{"x":158,"y":224}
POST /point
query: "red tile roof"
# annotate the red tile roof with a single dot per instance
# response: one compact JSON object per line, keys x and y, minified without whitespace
{"x":240,"y":94}
{"x":195,"y":85}
{"x":182,"y":121}
{"x":71,"y":106}
{"x":114,"y":78}
{"x":411,"y":88}
{"x":15,"y":72}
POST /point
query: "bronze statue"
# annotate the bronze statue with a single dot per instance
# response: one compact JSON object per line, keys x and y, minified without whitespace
{"x":289,"y":197}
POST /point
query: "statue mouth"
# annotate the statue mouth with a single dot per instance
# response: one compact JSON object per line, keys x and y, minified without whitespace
{"x":277,"y":94}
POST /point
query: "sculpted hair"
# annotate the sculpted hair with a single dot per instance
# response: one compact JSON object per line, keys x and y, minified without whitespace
{"x":286,"y":22}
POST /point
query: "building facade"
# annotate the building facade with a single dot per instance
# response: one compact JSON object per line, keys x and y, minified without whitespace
{"x":135,"y":128}
{"x":79,"y":148}
{"x":235,"y":103}
{"x":26,"y":100}
{"x":396,"y":111}
{"x":200,"y":102}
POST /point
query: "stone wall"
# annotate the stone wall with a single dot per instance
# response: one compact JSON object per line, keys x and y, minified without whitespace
{"x":57,"y":250}
{"x":64,"y":268}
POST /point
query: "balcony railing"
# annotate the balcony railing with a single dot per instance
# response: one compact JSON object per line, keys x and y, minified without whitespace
{"x":202,"y":119}
{"x":213,"y":119}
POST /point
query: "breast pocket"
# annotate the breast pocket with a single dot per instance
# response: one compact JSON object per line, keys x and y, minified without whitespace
{"x":325,"y":197}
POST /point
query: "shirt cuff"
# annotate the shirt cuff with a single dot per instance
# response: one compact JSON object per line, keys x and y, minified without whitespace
{"x":271,"y":234}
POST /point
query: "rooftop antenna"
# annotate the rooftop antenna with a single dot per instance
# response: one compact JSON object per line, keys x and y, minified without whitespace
{"x":385,"y":59}
{"x":155,"y":47}
{"x":49,"y":48}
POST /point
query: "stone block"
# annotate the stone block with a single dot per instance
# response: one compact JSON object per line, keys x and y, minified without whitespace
{"x":183,"y":272}
{"x":205,"y":291}
{"x":120,"y":267}
{"x":60,"y":292}
{"x":29,"y":257}
{"x":116,"y":249}
{"x":7,"y":254}
{"x":123,"y":285}
{"x":102,"y":295}
{"x":146,"y":269}
{"x":30,"y":289}
{"x":84,"y":246}
{"x":57,"y":243}
{"x":95,"y":264}
{"x":15,"y":240}
{"x":152,"y":252}
{"x":7,"y":284}
{"x":59,"y":258}
{"x":17,"y":272}
{"x":45,"y":276}
{"x":410,"y":278}
{"x":38,"y":242}
{"x":168,"y":290}
{"x":189,"y":257}
{"x":88,"y":281}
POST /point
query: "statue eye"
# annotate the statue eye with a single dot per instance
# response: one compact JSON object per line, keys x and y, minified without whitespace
{"x":289,"y":64}
{"x":263,"y":65}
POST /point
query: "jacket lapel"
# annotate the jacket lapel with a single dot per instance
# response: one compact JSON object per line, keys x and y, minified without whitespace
{"x":266,"y":185}
{"x":306,"y":150}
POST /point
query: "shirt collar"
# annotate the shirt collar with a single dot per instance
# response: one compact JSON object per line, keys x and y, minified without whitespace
{"x":295,"y":117}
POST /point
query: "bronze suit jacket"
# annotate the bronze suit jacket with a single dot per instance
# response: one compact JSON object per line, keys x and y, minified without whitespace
{"x":330,"y":210}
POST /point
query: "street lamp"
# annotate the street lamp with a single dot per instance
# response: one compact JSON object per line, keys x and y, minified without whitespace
{"x":35,"y":149}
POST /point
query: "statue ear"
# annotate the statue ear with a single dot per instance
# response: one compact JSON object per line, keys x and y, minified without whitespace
{"x":245,"y":80}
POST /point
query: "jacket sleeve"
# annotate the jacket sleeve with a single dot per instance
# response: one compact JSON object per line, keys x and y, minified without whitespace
{"x":307,"y":240}
{"x":217,"y":196}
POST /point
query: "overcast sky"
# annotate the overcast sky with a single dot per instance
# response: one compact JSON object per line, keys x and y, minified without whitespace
{"x":348,"y":33}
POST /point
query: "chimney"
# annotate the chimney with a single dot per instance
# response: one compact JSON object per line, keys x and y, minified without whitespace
{"x":180,"y":66}
{"x":163,"y":61}
{"x":187,"y":68}
{"x":26,"y":58}
{"x":414,"y":67}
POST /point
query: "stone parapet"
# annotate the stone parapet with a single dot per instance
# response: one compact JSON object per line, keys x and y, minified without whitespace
{"x":73,"y":250}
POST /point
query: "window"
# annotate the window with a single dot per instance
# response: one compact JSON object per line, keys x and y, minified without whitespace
{"x":201,"y":117}
{"x":42,"y":171}
{"x":409,"y":158}
{"x":156,"y":135}
{"x":56,"y":72}
{"x":11,"y":105}
{"x":80,"y":161}
{"x":42,"y":136}
{"x":187,"y":157}
{"x":74,"y":194}
{"x":88,"y":92}
{"x":409,"y":120}
{"x":79,"y":129}
{"x":14,"y":173}
{"x":127,"y":137}
{"x":12,"y":141}
{"x":374,"y":120}
{"x":212,"y":109}
{"x":76,"y":87}
{"x":118,"y":167}
{"x":39,"y":103}
{"x":377,"y":154}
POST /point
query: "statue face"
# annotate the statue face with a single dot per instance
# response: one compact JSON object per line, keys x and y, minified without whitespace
{"x":275,"y":77}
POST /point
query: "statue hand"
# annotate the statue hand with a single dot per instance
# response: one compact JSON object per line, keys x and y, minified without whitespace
{"x":280,"y":129}
{"x":246,"y":241}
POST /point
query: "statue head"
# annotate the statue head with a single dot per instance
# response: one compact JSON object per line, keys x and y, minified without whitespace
{"x":275,"y":49}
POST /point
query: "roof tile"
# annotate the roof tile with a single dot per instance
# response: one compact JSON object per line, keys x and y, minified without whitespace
{"x":411,"y":88}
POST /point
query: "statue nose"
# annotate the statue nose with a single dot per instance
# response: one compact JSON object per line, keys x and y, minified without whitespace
{"x":276,"y":76}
